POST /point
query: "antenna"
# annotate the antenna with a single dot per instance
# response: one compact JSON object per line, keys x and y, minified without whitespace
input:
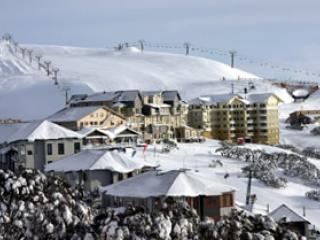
{"x":187,"y":46}
{"x":55,"y":75}
{"x":47,"y":67}
{"x":232,"y":55}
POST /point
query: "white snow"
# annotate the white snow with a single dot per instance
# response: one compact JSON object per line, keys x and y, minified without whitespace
{"x":198,"y":157}
{"x":170,"y":183}
{"x":28,"y":93}
{"x":31,"y":131}
{"x":99,"y":159}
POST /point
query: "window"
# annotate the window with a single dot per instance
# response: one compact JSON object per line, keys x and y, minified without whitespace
{"x":29,"y":152}
{"x":60,"y":148}
{"x":49,"y":149}
{"x":77,"y":147}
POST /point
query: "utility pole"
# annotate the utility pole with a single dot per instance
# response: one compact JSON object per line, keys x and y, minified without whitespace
{"x":187,"y":46}
{"x":251,"y":169}
{"x":55,"y":75}
{"x":232,"y":55}
{"x":67,"y":89}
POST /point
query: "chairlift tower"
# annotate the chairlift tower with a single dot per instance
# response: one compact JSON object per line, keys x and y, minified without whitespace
{"x":47,"y":67}
{"x":15,"y":45}
{"x":38,"y":58}
{"x":23,"y":52}
{"x":232,"y":55}
{"x":30,"y":51}
{"x":141,"y":43}
{"x":187,"y":46}
{"x":55,"y":75}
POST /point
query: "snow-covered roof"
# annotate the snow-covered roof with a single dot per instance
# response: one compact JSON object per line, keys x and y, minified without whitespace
{"x":162,"y":105}
{"x":300,"y":92}
{"x":70,"y":114}
{"x":31,"y":131}
{"x":214,"y":99}
{"x":99,"y":159}
{"x":114,"y":132}
{"x":260,"y":97}
{"x":284,"y":213}
{"x":171,"y":183}
{"x":110,"y":132}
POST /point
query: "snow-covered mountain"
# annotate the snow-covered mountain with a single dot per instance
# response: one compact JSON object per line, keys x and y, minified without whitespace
{"x":26,"y":92}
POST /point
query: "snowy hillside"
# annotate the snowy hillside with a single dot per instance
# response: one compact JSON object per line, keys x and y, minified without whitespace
{"x":28,"y":93}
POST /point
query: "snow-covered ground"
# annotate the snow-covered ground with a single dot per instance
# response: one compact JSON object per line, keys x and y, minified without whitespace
{"x":198,"y":157}
{"x":28,"y":93}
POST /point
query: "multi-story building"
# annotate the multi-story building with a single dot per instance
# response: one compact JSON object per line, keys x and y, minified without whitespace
{"x":156,"y":114}
{"x":76,"y":118}
{"x":253,"y":117}
{"x":34,"y":144}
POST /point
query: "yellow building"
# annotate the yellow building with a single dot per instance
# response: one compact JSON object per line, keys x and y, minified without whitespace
{"x":230,"y":117}
{"x":76,"y":118}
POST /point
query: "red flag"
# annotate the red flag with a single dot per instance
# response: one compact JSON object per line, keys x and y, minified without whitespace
{"x":145,"y":146}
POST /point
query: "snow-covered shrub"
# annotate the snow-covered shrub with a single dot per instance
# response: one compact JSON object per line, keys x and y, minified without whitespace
{"x":313,"y":194}
{"x":315,"y":131}
{"x":33,"y":206}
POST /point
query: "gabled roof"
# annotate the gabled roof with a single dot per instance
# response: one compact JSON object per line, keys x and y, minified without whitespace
{"x":169,"y":96}
{"x":31,"y":131}
{"x":171,"y":183}
{"x":214,"y":99}
{"x":127,"y":96}
{"x":261,"y":97}
{"x":98,"y":159}
{"x":286,"y":214}
{"x":101,"y":96}
{"x":70,"y":114}
{"x":114,"y":97}
{"x":111,"y":133}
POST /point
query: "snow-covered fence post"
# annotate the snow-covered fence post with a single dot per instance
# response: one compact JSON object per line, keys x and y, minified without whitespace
{"x":30,"y":51}
{"x":38,"y":58}
{"x":55,"y":75}
{"x":47,"y":67}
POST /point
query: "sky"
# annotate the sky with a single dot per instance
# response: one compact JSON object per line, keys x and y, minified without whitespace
{"x":280,"y":32}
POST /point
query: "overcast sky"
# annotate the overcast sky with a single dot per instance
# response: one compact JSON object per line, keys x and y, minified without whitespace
{"x":284,"y":32}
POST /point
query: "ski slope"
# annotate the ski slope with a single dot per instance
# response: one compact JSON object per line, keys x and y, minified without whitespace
{"x":27,"y":93}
